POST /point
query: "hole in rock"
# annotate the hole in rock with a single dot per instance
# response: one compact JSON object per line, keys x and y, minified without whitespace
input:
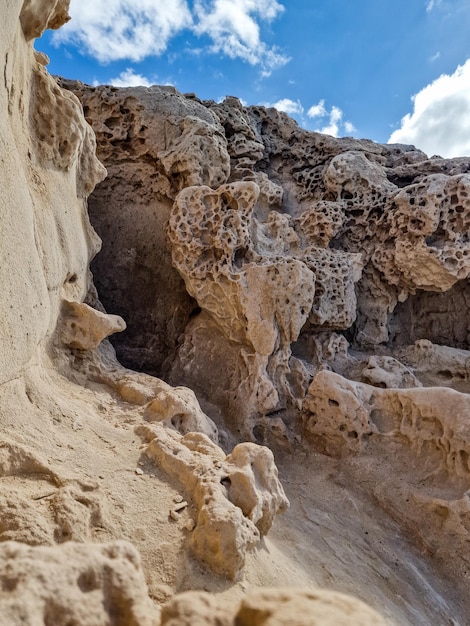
{"x":436,"y":316}
{"x":87,"y":581}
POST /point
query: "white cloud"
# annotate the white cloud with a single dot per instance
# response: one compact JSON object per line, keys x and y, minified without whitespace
{"x":349,"y":127}
{"x":440,"y":121}
{"x":233,"y":27}
{"x":431,"y":4}
{"x":288,"y":106}
{"x":333,"y":118}
{"x":129,"y":78}
{"x":112,"y":30}
{"x":317,"y":110}
{"x":435,"y":57}
{"x":333,"y":126}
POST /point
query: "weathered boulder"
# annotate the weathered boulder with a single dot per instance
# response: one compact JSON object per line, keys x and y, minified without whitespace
{"x":90,"y":585}
{"x":271,"y":607}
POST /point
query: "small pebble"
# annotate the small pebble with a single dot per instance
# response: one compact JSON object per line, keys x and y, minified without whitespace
{"x":190,"y":525}
{"x":138,"y":471}
{"x":174,"y":515}
{"x":181,"y":506}
{"x":178,"y":499}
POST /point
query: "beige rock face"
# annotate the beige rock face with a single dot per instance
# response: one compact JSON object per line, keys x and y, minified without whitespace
{"x":313,"y":265}
{"x":46,"y":167}
{"x":271,"y":608}
{"x":163,"y":142}
{"x":300,"y":285}
{"x":260,"y":282}
{"x":85,"y":328}
{"x":51,"y":340}
{"x":38,"y":15}
{"x":310,"y":234}
{"x":74,"y":584}
{"x":236,"y":496}
{"x":431,"y":420}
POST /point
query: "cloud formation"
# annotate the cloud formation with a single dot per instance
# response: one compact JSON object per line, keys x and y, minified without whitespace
{"x":112,"y":30}
{"x":233,"y":27}
{"x":289,"y":106}
{"x":334,"y":124}
{"x":440,"y":121}
{"x":317,"y":110}
{"x":128,"y":78}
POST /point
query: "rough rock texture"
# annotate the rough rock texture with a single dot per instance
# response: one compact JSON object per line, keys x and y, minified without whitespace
{"x":236,"y":496}
{"x":155,"y":143}
{"x":306,"y":224}
{"x":320,"y":276}
{"x":57,"y":375}
{"x":308,"y":289}
{"x":74,"y":584}
{"x":271,"y":607}
{"x":84,"y":328}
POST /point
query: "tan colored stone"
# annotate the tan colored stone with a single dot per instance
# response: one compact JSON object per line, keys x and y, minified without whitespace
{"x":48,"y":585}
{"x":276,"y":607}
{"x":385,"y":371}
{"x":178,"y":408}
{"x":38,"y":15}
{"x":433,"y":421}
{"x":236,"y":496}
{"x":195,"y":608}
{"x":85,"y":328}
{"x":271,"y":607}
{"x":288,"y":209}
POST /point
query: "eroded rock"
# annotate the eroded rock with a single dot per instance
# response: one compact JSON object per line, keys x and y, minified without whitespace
{"x":38,"y":15}
{"x":259,"y":285}
{"x":434,"y":421}
{"x":236,"y":496}
{"x":285,"y":241}
{"x":47,"y":585}
{"x":84,"y":328}
{"x":271,"y":607}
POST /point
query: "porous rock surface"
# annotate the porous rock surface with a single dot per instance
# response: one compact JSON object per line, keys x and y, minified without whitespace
{"x":247,"y":478}
{"x":305,"y":290}
{"x":308,"y":238}
{"x":76,"y":584}
{"x":271,"y":607}
{"x":323,"y":287}
{"x":57,"y":376}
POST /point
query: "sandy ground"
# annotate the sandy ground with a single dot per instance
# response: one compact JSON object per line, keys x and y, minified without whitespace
{"x":334,"y":535}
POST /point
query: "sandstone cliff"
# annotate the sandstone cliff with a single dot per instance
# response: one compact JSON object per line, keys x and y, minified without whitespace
{"x":287,"y":289}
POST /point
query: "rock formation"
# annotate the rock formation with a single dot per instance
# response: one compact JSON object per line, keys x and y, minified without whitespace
{"x":271,"y":607}
{"x":76,"y":584}
{"x":279,"y":287}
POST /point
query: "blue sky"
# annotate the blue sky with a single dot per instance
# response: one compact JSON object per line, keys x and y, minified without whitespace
{"x":381,"y":69}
